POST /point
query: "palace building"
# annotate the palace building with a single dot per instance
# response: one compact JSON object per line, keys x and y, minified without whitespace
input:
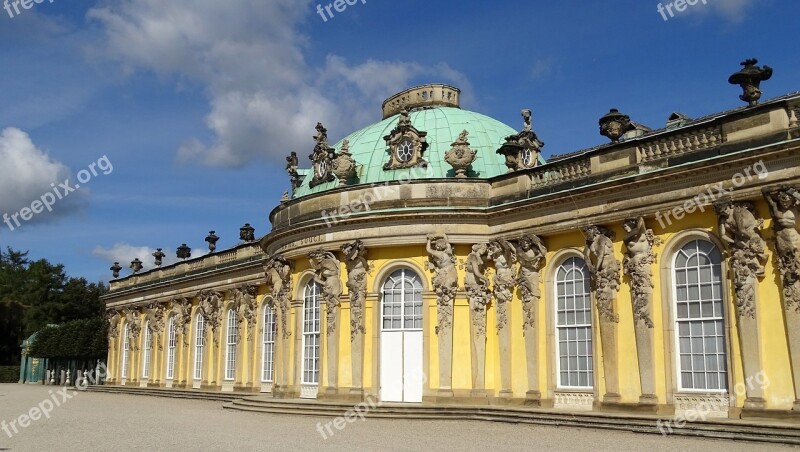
{"x":436,"y":257}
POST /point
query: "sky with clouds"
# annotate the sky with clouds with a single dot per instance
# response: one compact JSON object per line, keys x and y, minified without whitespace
{"x":196,"y":103}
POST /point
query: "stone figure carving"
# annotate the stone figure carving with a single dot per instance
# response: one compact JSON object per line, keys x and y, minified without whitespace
{"x":158,"y":312}
{"x":406,"y":145}
{"x":355,"y":258}
{"x":477,"y":286}
{"x":639,"y":258}
{"x":322,"y":158}
{"x":183,"y":317}
{"x":604,"y":269}
{"x":784,"y":205}
{"x":442,"y":262}
{"x":739,"y":229}
{"x":521,"y":151}
{"x":292,"y":165}
{"x":113,"y":316}
{"x":327,"y":273}
{"x":531,"y":253}
{"x":278,"y":271}
{"x":134,"y":325}
{"x":460,"y":156}
{"x":245,"y":301}
{"x":211,"y":309}
{"x":504,"y":256}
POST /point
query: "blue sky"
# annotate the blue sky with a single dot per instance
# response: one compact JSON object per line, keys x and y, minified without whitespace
{"x":196,"y":103}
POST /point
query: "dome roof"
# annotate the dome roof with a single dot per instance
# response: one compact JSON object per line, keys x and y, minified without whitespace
{"x":443,"y":125}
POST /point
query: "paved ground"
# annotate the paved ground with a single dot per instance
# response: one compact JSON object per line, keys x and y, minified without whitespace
{"x":111,"y":422}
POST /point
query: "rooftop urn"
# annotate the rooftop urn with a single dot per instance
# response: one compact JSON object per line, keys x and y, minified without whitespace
{"x":212,"y":241}
{"x":136,"y":265}
{"x":115,"y":269}
{"x":247,"y":233}
{"x":750,"y":78}
{"x":614,"y":125}
{"x":159,"y":257}
{"x":184,"y":252}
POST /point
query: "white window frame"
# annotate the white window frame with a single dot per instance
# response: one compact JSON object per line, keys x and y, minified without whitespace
{"x":312,"y":334}
{"x":395,"y":284}
{"x":588,"y":342}
{"x":230,"y":347}
{"x":126,"y":348}
{"x":268,"y":345}
{"x":148,"y":353}
{"x":199,"y":347}
{"x":171,"y":344}
{"x":716,"y":289}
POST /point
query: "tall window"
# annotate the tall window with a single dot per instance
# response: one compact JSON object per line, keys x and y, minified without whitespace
{"x":199,"y":345}
{"x":268,"y":359}
{"x":171,"y":348}
{"x":230,"y":350}
{"x":699,"y":318}
{"x":147,"y":352}
{"x":402,"y":301}
{"x":574,"y":325}
{"x":311,"y":333}
{"x":126,"y":347}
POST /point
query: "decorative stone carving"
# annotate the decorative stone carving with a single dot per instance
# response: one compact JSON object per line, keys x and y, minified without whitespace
{"x":115,"y":269}
{"x":134,"y":325}
{"x":292,"y":165}
{"x":157,"y":324}
{"x":136,"y":266}
{"x":183,"y":317}
{"x":523,"y":149}
{"x":477,"y":286}
{"x":212,"y":240}
{"x":247,"y":233}
{"x":739,"y":229}
{"x":344,"y":167}
{"x":327,"y":273}
{"x":406,"y":145}
{"x":355,"y":258}
{"x":159,"y":257}
{"x":639,"y":258}
{"x":322,"y":158}
{"x":504,"y":256}
{"x":604,"y":269}
{"x":531,"y":253}
{"x":442,"y":262}
{"x":184,"y":252}
{"x":211,"y":309}
{"x":784,"y":206}
{"x":460,"y":156}
{"x":278,"y":271}
{"x":113,"y":317}
{"x":615,"y":124}
{"x":750,"y":78}
{"x":246,"y":307}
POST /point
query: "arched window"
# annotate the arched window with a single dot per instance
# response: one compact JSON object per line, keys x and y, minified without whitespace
{"x":199,"y":345}
{"x":171,"y":349}
{"x":574,"y":365}
{"x":147,"y":351}
{"x":700,"y":318}
{"x":311,"y":333}
{"x":126,"y":347}
{"x":402,"y":301}
{"x":230,"y":350}
{"x":268,"y":354}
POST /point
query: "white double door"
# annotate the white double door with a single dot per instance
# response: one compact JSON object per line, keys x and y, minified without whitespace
{"x":402,"y":378}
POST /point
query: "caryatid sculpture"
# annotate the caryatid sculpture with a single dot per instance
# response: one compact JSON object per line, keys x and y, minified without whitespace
{"x":784,"y":205}
{"x":245,"y":300}
{"x":327,"y":273}
{"x":747,"y":253}
{"x":211,"y":309}
{"x":183,"y":317}
{"x":134,"y":325}
{"x":637,"y":264}
{"x":604,"y":269}
{"x":278,"y":271}
{"x":531,"y":253}
{"x":113,"y":317}
{"x":477,"y":286}
{"x":355,"y":259}
{"x":442,"y":262}
{"x":504,"y":256}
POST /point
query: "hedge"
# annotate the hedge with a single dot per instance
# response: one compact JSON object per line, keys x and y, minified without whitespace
{"x":76,"y":340}
{"x":9,"y":374}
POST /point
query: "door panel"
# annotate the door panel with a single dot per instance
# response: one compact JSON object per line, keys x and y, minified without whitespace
{"x":413,"y":377}
{"x":392,"y":366}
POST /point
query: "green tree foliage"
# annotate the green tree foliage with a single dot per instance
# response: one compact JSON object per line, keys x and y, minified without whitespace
{"x":34,"y":294}
{"x":78,"y":339}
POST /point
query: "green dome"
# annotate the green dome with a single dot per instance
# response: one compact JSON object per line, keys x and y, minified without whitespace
{"x":443,"y":124}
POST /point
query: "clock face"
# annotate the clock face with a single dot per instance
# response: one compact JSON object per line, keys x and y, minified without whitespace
{"x":405,"y":150}
{"x":322,"y":169}
{"x":527,"y":157}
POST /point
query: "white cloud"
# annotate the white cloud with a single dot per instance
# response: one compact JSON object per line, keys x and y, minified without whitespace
{"x":733,"y":10}
{"x":26,"y":174}
{"x":265,"y":98}
{"x":124,"y":253}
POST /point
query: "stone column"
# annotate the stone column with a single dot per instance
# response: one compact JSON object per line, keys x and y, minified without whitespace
{"x":355,"y":259}
{"x":531,"y":253}
{"x":442,"y":262}
{"x":332,"y":349}
{"x":503,"y":254}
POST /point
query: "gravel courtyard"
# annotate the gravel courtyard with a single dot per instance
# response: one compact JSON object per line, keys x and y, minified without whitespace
{"x":109,"y":422}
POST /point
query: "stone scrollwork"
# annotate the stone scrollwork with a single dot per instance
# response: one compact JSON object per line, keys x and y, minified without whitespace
{"x":355,"y":259}
{"x":477,"y":286}
{"x":604,"y":269}
{"x":246,"y":307}
{"x":278,"y":271}
{"x":442,"y":262}
{"x":406,"y":145}
{"x":211,"y":309}
{"x":639,"y":258}
{"x":739,"y":229}
{"x":504,"y":256}
{"x":531,"y":253}
{"x":322,"y":158}
{"x":327,"y":273}
{"x":784,"y":207}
